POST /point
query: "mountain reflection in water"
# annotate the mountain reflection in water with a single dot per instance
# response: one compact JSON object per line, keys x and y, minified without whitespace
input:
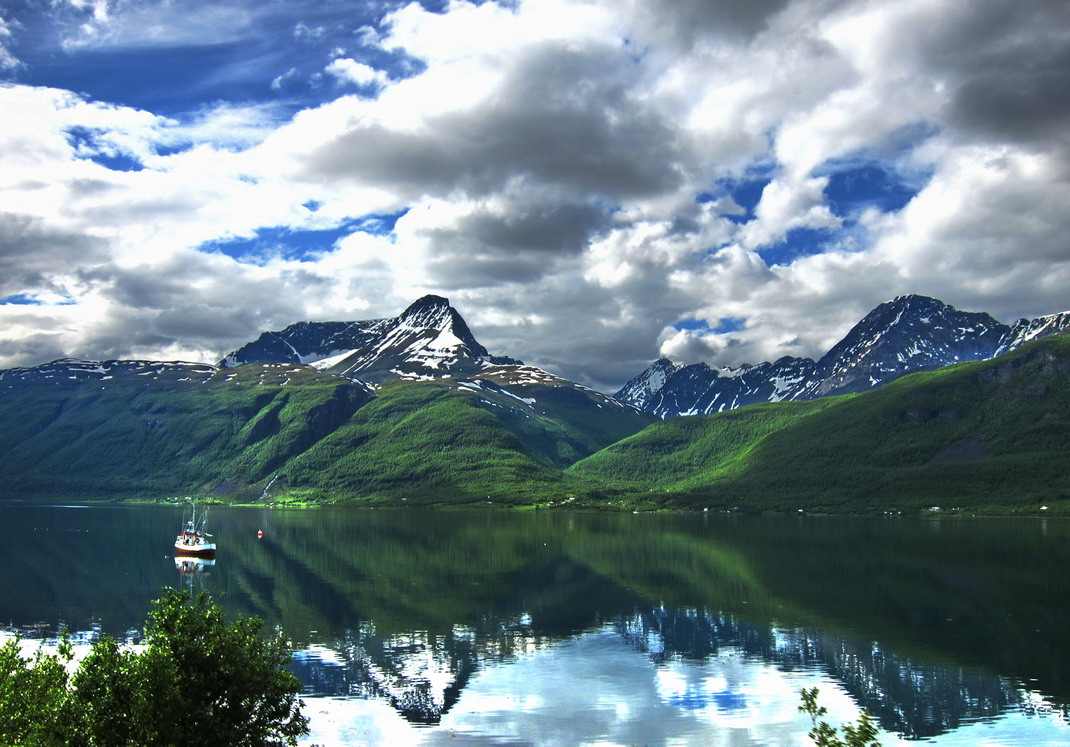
{"x":931,"y":625}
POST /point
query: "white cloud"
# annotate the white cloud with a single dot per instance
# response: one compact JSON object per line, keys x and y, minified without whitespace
{"x":281,"y":81}
{"x":304,"y":32}
{"x":351,"y":71}
{"x":786,"y":205}
{"x":550,"y":157}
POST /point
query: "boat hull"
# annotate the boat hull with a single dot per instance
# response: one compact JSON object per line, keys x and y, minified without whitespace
{"x":195,"y":549}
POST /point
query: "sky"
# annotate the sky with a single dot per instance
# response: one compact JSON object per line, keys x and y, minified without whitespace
{"x":592,"y":183}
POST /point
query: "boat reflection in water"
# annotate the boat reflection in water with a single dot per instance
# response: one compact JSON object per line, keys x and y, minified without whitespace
{"x":193,"y":571}
{"x":188,"y":565}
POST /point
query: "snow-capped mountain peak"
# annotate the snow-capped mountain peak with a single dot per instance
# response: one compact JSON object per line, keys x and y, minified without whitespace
{"x":1027,"y":330}
{"x":427,"y":340}
{"x":429,"y":312}
{"x":908,"y":333}
{"x":641,"y":390}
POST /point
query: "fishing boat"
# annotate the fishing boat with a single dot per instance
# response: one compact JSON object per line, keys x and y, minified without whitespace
{"x":192,"y":539}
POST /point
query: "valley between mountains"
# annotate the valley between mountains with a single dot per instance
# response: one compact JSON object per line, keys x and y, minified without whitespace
{"x":920,"y":407}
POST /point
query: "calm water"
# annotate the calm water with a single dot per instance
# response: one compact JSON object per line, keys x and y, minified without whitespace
{"x":497,"y":628}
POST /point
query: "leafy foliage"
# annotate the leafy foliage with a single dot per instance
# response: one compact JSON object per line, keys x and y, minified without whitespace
{"x":199,"y":680}
{"x":862,"y":734}
{"x":34,"y":709}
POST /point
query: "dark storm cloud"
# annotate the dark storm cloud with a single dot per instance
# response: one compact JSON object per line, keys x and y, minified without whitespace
{"x":514,"y":242}
{"x":562,"y":117}
{"x":140,"y":290}
{"x":465,"y":267}
{"x":691,"y":20}
{"x":193,"y":300}
{"x":1009,"y":68}
{"x":31,"y":252}
{"x":546,"y":227}
{"x":34,"y":349}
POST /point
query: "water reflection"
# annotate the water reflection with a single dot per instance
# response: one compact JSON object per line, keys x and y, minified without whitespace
{"x":616,"y":627}
{"x":189,"y":566}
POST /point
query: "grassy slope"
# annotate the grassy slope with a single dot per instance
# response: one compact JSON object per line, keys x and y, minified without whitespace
{"x":231,"y":434}
{"x":562,"y":425}
{"x":992,"y":436}
{"x":421,"y":442}
{"x":683,"y":453}
{"x":127,"y":438}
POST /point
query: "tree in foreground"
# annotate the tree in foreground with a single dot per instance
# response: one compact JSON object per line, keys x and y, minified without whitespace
{"x":199,"y":681}
{"x":862,"y":734}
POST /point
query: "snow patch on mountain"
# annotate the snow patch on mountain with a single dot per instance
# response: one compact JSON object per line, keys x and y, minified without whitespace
{"x":1027,"y":330}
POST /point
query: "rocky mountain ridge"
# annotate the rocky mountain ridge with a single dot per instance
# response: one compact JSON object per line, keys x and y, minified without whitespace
{"x":428,"y":340}
{"x":909,"y":333}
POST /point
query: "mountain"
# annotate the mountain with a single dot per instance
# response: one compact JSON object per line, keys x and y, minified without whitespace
{"x":988,"y":435}
{"x":1026,"y":330}
{"x":561,"y":421}
{"x":428,"y":340}
{"x":443,"y":421}
{"x":909,"y":333}
{"x":142,"y":429}
{"x":670,"y":389}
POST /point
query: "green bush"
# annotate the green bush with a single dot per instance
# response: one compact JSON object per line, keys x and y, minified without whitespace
{"x":199,"y":680}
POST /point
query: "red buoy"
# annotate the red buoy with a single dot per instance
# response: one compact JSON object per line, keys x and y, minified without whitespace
{"x":259,"y":533}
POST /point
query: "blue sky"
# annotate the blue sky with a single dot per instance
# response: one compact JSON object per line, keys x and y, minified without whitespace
{"x":593,"y":184}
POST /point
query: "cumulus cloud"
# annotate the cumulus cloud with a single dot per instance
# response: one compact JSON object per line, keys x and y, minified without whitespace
{"x":556,"y":116}
{"x":785,"y":206}
{"x":35,"y":257}
{"x":345,"y":69}
{"x":569,"y":173}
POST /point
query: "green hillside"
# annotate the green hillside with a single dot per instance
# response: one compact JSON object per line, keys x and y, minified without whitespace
{"x":301,"y":434}
{"x":562,"y":423}
{"x":129,"y":437}
{"x":684,"y":453}
{"x":990,"y":436}
{"x":420,"y":442}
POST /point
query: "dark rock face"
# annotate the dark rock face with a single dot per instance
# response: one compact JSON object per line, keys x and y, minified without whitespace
{"x":907,"y":334}
{"x":1027,"y":330}
{"x":669,"y":389}
{"x":304,"y":342}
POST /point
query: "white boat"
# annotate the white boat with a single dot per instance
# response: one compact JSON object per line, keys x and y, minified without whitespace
{"x":192,"y":539}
